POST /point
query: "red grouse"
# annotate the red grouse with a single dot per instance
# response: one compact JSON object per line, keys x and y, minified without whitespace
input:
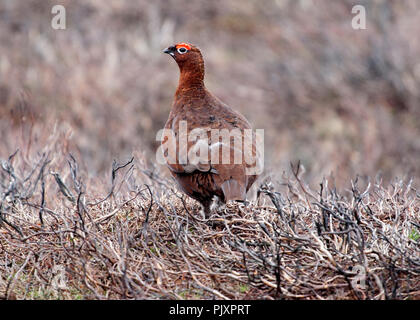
{"x":199,"y":121}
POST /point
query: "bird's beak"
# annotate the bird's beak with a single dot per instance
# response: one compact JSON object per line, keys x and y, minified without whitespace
{"x":170,"y":51}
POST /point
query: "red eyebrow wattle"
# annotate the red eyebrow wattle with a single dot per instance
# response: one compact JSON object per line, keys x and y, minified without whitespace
{"x":185,"y":45}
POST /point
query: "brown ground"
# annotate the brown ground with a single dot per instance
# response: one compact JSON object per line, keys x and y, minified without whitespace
{"x":64,"y":235}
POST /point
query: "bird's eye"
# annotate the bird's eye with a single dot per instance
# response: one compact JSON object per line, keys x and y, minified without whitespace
{"x":182,"y":50}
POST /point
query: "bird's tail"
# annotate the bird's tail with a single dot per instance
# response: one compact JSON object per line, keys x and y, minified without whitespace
{"x":233,"y":190}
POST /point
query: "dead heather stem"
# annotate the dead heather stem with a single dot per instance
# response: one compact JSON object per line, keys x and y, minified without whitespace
{"x":144,"y":240}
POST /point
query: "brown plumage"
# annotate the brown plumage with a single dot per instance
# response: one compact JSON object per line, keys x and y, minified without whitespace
{"x":195,"y":105}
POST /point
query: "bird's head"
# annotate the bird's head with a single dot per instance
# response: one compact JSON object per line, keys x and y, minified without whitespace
{"x":187,"y":56}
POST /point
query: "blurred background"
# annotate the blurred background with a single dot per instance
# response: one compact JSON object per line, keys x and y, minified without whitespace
{"x":344,"y":102}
